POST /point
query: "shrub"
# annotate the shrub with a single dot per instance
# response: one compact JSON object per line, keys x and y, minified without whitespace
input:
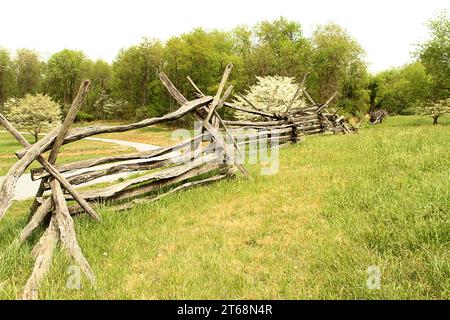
{"x":34,"y":113}
{"x":84,"y":117}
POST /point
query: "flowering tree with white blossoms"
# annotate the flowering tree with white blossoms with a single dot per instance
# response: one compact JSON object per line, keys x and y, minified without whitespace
{"x":34,"y":113}
{"x":272,"y":94}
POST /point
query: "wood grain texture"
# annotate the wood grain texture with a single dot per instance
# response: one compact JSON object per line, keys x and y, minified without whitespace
{"x":36,"y":219}
{"x":217,"y":97}
{"x":67,"y":231}
{"x":184,"y":186}
{"x":166,"y":173}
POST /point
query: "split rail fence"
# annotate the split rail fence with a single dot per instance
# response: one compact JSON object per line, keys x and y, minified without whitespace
{"x":211,"y":156}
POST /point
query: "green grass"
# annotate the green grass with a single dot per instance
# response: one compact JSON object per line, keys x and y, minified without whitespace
{"x":79,"y":150}
{"x":338,"y":205}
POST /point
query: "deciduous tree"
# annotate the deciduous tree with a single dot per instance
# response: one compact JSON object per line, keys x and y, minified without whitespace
{"x":435,"y":55}
{"x":135,"y":75}
{"x":28,"y":71}
{"x":435,"y":109}
{"x":63,"y":74}
{"x":34,"y":113}
{"x":338,"y":65}
{"x":6,"y":76}
{"x":271,"y":94}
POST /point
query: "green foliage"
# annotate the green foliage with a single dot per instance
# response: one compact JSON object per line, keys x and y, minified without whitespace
{"x":28,"y":71}
{"x":400,"y":90}
{"x":6,"y":76}
{"x":435,"y":55}
{"x":130,"y":88}
{"x":283,"y":40}
{"x":273,"y":48}
{"x":134,"y":74}
{"x":202,"y":55}
{"x":338,"y":65}
{"x":34,"y":113}
{"x":100,"y":74}
{"x":84,"y":117}
{"x":63,"y":74}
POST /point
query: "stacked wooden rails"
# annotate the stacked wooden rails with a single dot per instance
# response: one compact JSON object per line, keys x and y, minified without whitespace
{"x":312,"y":119}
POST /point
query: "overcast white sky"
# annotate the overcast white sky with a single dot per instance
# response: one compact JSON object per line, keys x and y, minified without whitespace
{"x":387,"y":29}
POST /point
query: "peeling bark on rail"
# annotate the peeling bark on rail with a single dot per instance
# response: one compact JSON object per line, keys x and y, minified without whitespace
{"x":36,"y":219}
{"x":131,"y":167}
{"x":67,"y":231}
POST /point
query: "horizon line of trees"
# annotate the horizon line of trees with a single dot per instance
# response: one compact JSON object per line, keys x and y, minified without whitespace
{"x":129,"y":88}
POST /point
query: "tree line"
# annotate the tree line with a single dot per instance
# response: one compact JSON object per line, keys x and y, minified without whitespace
{"x":129,"y":88}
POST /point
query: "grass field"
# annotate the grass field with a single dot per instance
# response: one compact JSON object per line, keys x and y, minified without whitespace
{"x":338,"y":205}
{"x":79,"y":150}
